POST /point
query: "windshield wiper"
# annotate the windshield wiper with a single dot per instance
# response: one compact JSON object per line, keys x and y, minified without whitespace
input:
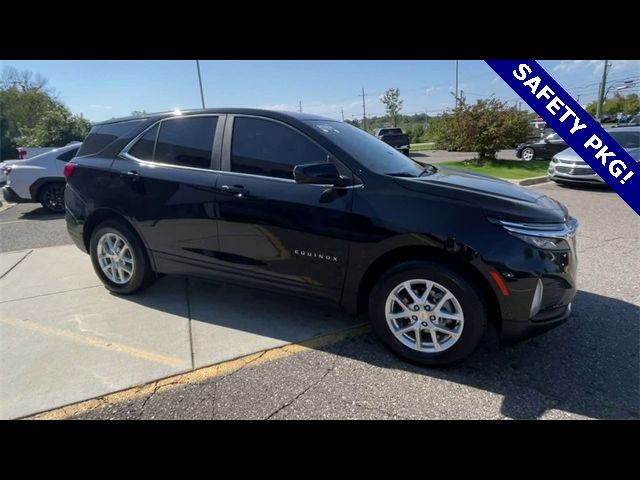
{"x":401,"y":174}
{"x":428,"y":170}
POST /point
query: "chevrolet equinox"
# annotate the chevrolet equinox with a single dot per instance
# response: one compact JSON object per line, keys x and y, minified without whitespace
{"x":319,"y":208}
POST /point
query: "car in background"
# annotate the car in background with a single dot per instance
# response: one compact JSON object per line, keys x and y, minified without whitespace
{"x":544,"y":148}
{"x":568,"y":168}
{"x":39,"y":179}
{"x":395,"y":138}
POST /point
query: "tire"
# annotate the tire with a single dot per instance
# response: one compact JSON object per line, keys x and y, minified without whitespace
{"x":51,"y":196}
{"x":444,"y":277}
{"x":141,"y":275}
{"x":528,"y":154}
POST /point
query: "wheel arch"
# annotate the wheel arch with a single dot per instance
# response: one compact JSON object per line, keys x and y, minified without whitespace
{"x":102,"y":215}
{"x":457,"y":260}
{"x":36,"y":187}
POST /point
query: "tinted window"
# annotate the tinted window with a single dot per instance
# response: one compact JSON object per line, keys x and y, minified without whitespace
{"x":626,"y":139}
{"x":390,"y":131}
{"x":66,"y":156}
{"x":143,"y":149}
{"x":370,"y":152}
{"x":101,"y":136}
{"x":263,"y":147}
{"x":186,"y":141}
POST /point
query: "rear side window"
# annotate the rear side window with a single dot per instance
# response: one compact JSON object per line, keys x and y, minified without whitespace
{"x":101,"y":136}
{"x":144,"y":148}
{"x":66,"y":156}
{"x":186,"y":141}
{"x":270,"y":149}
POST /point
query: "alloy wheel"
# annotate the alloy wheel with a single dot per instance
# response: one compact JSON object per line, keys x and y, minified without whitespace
{"x":115,"y":258}
{"x":424,"y":315}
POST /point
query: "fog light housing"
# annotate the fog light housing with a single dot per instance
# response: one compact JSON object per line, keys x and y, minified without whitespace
{"x":536,"y":303}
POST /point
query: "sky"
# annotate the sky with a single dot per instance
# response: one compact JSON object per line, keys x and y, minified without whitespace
{"x":103,"y":89}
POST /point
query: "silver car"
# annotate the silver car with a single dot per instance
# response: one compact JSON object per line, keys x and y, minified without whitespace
{"x":568,"y":167}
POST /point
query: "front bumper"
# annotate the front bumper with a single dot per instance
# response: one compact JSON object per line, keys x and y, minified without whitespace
{"x":573,"y":172}
{"x":513,"y":331}
{"x":11,"y":196}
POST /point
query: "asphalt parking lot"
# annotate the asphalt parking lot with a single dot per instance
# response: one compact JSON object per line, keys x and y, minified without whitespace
{"x":230,"y":352}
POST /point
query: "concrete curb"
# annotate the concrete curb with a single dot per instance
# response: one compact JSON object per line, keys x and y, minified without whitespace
{"x":533,"y":181}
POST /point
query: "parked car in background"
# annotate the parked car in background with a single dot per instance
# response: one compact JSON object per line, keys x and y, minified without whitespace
{"x":567,"y":167}
{"x":39,"y":179}
{"x":541,"y":149}
{"x":307,"y":205}
{"x":394,"y":137}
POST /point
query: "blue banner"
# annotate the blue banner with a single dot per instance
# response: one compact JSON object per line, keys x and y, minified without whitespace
{"x":576,"y":127}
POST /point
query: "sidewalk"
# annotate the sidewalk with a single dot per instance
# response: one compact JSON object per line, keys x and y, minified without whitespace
{"x":65,"y":338}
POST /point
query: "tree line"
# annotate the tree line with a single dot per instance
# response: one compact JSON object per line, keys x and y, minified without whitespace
{"x":32,"y":115}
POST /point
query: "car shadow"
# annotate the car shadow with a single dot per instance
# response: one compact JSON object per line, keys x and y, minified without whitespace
{"x":40,"y":213}
{"x":588,"y":366}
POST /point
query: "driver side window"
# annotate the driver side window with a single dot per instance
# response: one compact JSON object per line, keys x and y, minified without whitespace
{"x":270,"y":149}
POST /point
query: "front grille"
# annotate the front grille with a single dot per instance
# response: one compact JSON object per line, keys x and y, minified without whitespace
{"x":574,"y":171}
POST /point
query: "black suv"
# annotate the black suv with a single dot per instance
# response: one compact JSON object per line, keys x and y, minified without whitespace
{"x":317,"y":207}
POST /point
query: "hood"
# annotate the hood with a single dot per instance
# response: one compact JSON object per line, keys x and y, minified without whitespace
{"x":569,"y":155}
{"x":497,"y":198}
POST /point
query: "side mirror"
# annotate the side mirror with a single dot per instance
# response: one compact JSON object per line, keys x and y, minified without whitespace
{"x":319,"y":174}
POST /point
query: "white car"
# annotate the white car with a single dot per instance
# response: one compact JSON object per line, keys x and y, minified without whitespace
{"x":39,"y":179}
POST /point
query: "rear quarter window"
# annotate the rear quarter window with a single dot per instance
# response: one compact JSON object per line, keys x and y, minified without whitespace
{"x":102,"y":136}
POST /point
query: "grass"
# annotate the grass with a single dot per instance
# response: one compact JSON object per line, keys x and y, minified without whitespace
{"x":509,"y":169}
{"x":421,"y":147}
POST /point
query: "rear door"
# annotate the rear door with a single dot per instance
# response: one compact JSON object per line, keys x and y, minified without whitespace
{"x":167,"y":180}
{"x":62,"y":159}
{"x":271,"y":229}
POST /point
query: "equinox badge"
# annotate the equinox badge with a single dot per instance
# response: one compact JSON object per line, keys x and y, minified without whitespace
{"x":321,"y":256}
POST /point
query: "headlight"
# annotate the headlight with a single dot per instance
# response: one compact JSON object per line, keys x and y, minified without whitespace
{"x":547,"y":236}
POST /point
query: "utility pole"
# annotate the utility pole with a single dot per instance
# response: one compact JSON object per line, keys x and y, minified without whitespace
{"x":342,"y":112}
{"x":364,"y":112}
{"x":200,"y":82}
{"x":603,"y":89}
{"x":456,"y":83}
{"x":300,"y":106}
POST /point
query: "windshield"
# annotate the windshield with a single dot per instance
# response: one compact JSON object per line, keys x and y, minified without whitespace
{"x":372,"y":153}
{"x":628,"y":139}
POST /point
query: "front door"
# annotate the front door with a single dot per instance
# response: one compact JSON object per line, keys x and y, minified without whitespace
{"x":271,"y":229}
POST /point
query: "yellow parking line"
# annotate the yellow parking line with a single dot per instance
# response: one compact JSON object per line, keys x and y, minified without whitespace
{"x":200,"y":375}
{"x":96,"y":342}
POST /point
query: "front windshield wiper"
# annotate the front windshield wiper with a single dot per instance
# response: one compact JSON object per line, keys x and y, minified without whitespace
{"x":428,"y":170}
{"x":401,"y":174}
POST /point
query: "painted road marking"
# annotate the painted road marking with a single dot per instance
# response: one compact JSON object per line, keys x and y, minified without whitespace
{"x":13,"y":221}
{"x":96,"y":342}
{"x":200,"y":375}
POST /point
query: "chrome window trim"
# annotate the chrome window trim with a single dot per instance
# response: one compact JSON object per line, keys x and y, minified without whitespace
{"x":126,"y":156}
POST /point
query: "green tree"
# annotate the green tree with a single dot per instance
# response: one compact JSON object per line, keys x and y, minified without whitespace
{"x":56,"y":128}
{"x":32,"y":115}
{"x":138,"y":113}
{"x":485,"y":127}
{"x":392,"y":104}
{"x":632,"y":104}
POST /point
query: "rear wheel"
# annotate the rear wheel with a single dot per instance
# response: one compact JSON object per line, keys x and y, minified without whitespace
{"x":51,"y":197}
{"x":119,"y":258}
{"x":427,"y":312}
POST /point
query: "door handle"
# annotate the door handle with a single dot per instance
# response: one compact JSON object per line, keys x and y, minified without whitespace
{"x":236,"y":190}
{"x":130,"y":175}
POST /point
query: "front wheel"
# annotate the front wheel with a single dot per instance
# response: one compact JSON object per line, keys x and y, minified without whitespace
{"x":119,"y":258}
{"x":528,"y":154}
{"x":52,"y":197}
{"x":427,"y":312}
